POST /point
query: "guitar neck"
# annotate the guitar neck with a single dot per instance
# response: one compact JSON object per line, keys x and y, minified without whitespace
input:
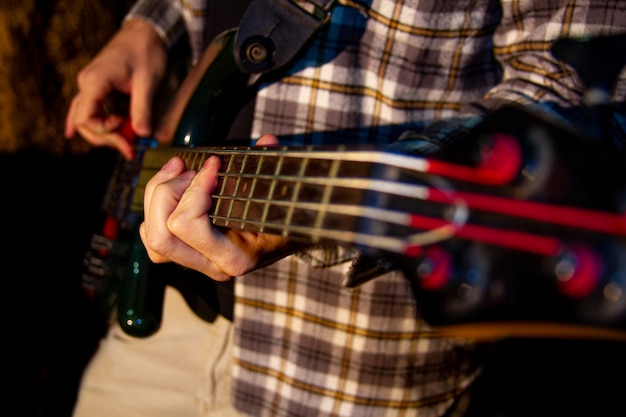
{"x":373,"y":199}
{"x":314,"y":195}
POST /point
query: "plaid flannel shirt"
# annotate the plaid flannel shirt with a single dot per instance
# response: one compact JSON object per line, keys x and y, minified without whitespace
{"x":305,"y":343}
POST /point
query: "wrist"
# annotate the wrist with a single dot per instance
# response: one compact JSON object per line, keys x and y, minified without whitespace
{"x":164,"y":18}
{"x":143,"y":31}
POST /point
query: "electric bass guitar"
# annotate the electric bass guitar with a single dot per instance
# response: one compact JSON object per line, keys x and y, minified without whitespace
{"x":519,"y":229}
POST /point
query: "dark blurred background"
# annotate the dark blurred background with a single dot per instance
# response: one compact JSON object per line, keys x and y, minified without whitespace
{"x":51,"y":192}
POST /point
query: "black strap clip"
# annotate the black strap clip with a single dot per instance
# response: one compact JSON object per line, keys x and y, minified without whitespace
{"x":271,"y":32}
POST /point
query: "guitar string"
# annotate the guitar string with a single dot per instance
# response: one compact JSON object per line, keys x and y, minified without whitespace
{"x":316,"y":234}
{"x":555,"y":212}
{"x":598,"y":221}
{"x":329,"y":182}
{"x":435,"y":229}
{"x":604,"y":222}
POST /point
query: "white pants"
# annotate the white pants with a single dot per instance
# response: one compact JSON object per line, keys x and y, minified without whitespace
{"x":182,"y":370}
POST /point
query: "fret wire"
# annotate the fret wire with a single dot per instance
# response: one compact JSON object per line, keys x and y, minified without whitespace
{"x":182,"y":154}
{"x":390,"y":216}
{"x":294,"y":196}
{"x":348,"y":182}
{"x":196,"y":165}
{"x":203,"y":158}
{"x":237,"y":184}
{"x":158,"y":156}
{"x":341,"y":153}
{"x":252,"y":189}
{"x":402,"y":189}
{"x":394,"y":244}
{"x":191,"y":163}
{"x":332,"y":174}
{"x":375,"y":155}
{"x":224,"y":183}
{"x":270,"y":194}
{"x":188,"y":160}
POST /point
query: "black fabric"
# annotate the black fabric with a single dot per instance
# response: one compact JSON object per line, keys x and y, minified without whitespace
{"x":47,"y":214}
{"x":223,"y":15}
{"x":277,"y":27}
{"x":546,"y":378}
{"x":205,"y":297}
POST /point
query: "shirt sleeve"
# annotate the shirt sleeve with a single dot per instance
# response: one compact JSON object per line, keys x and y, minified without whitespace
{"x":165,"y":17}
{"x":522,"y":46}
{"x":531,"y":76}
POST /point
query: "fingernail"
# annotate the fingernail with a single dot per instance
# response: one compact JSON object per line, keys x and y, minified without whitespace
{"x":205,"y":164}
{"x":210,"y":161}
{"x":170,"y":165}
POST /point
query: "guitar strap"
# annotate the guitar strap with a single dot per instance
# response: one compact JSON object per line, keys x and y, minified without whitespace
{"x":272,"y":32}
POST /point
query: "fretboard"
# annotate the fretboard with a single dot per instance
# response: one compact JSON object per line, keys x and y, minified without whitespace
{"x":370,"y":198}
{"x":359,"y":196}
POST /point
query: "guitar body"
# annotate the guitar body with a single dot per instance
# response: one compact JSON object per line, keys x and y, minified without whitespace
{"x":518,"y":230}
